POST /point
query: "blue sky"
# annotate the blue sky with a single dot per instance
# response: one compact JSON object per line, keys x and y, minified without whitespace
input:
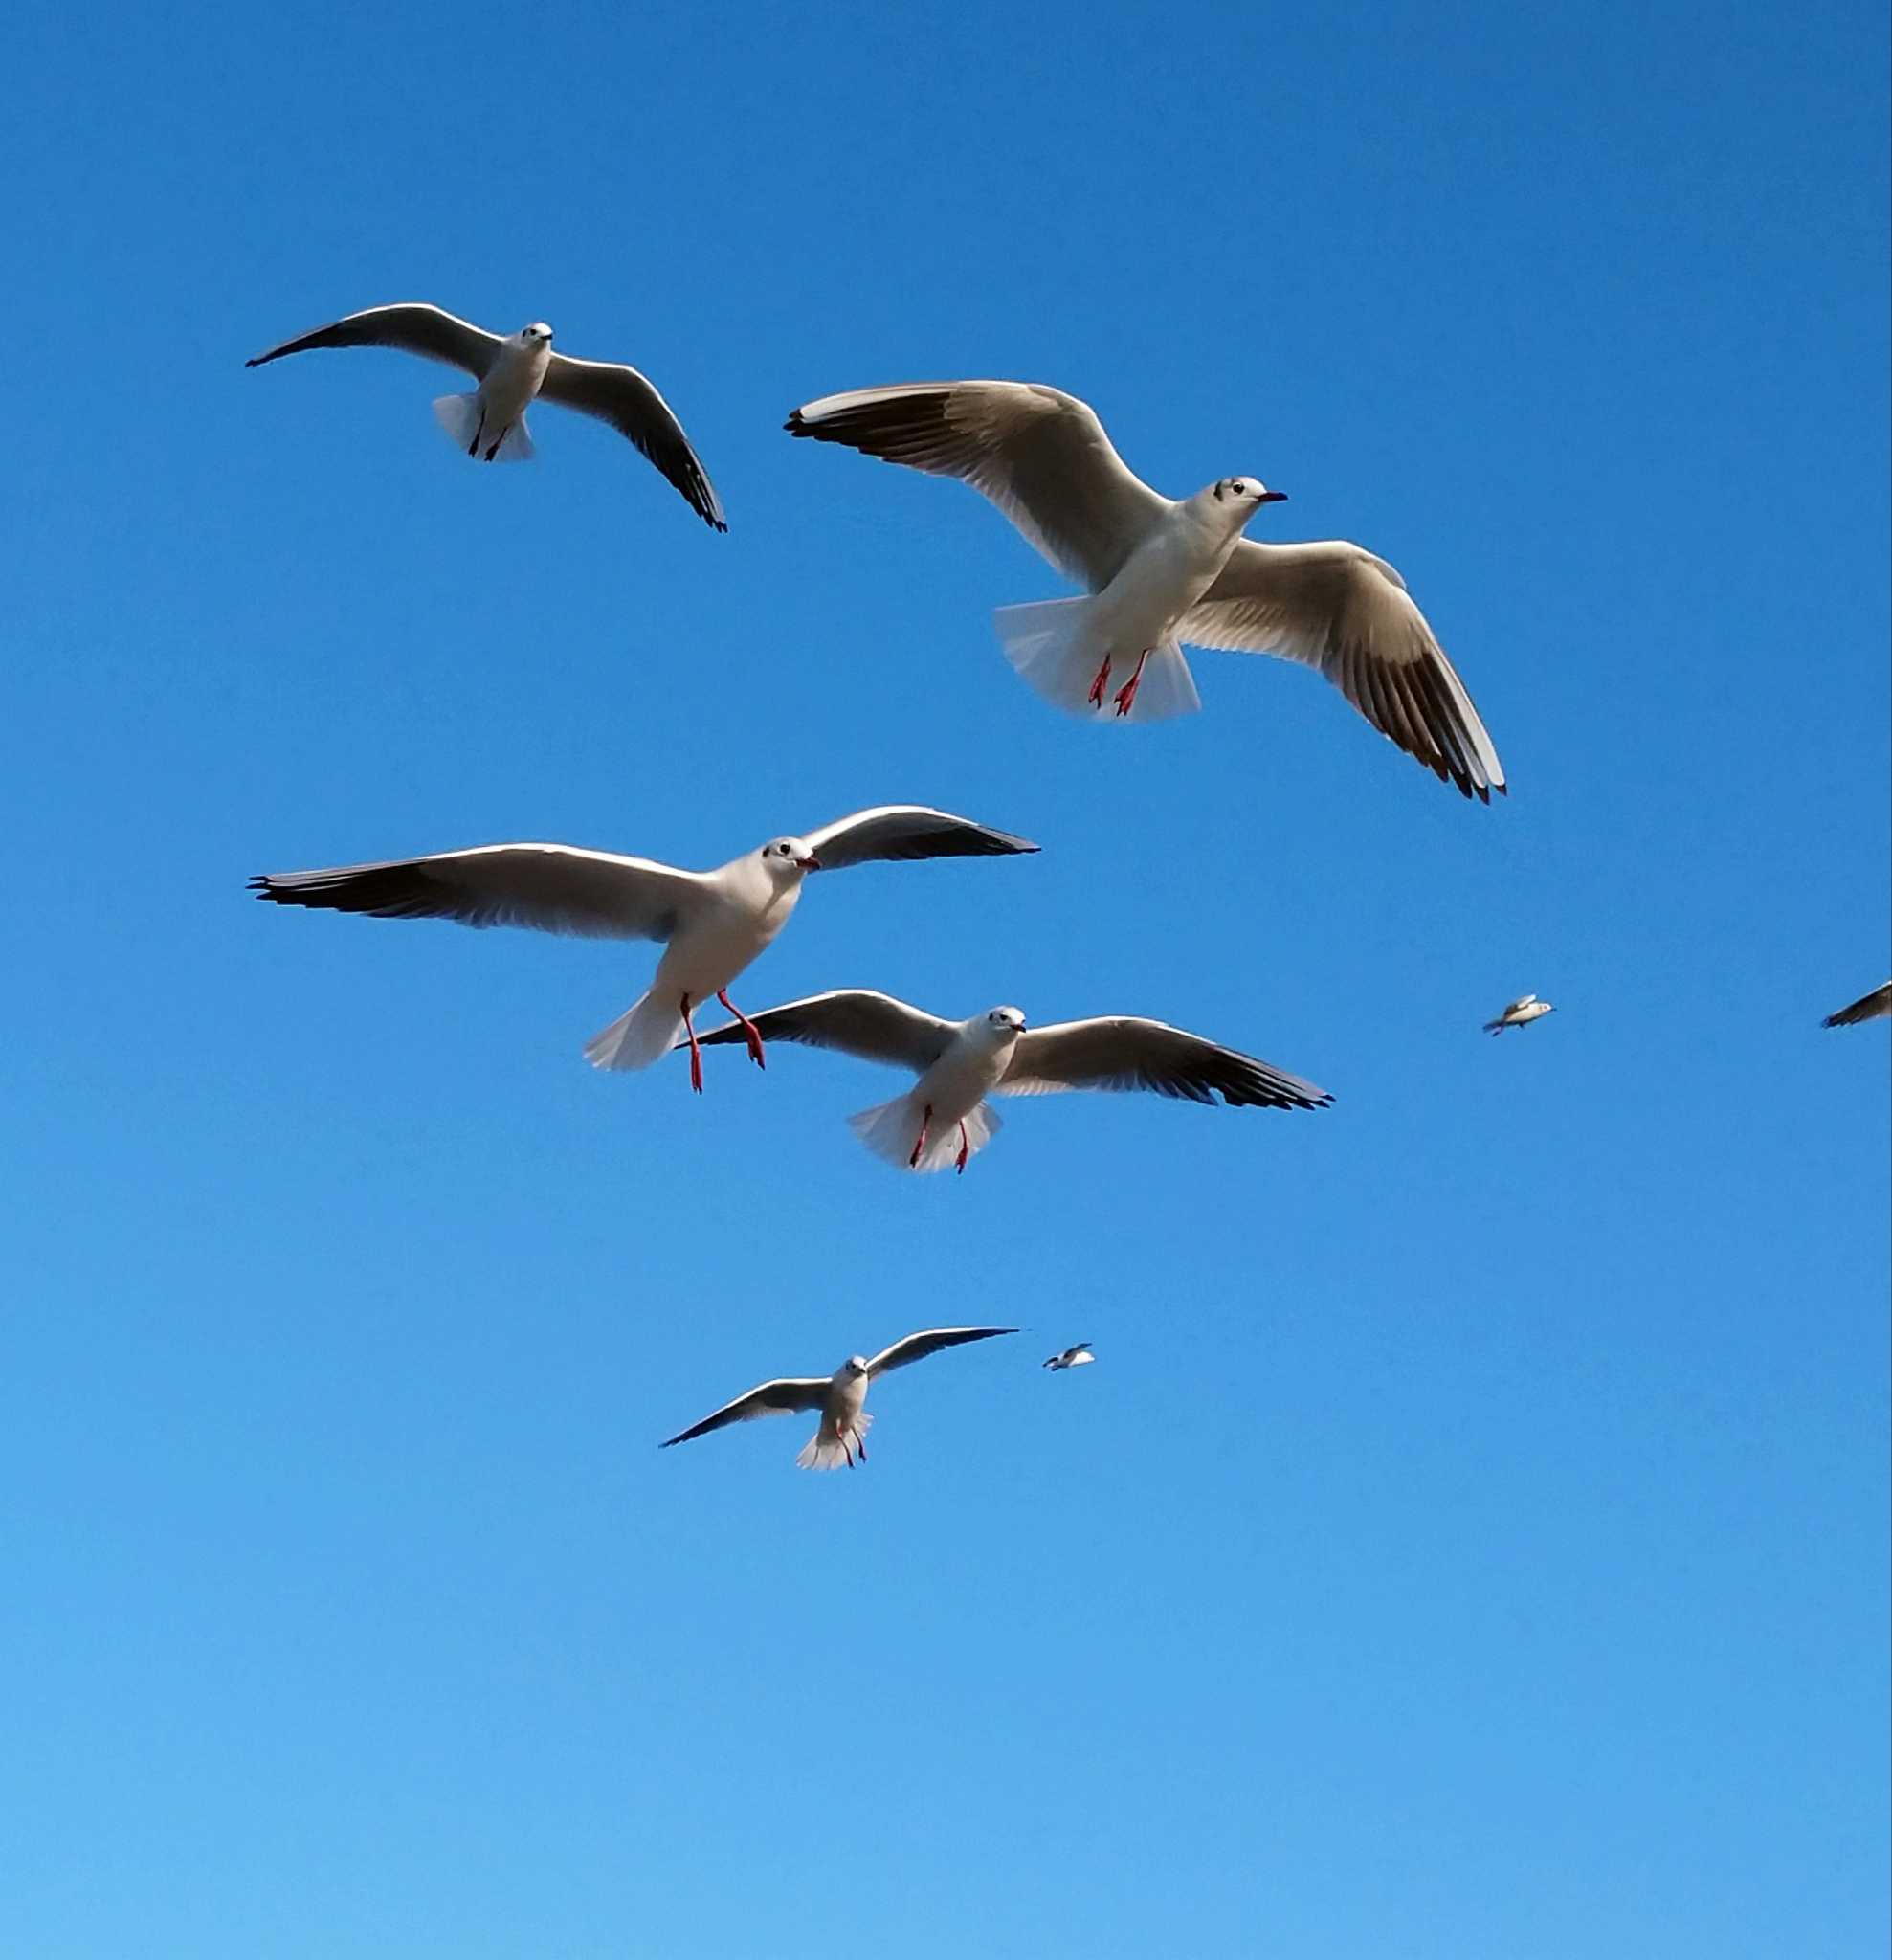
{"x":1472,"y":1539}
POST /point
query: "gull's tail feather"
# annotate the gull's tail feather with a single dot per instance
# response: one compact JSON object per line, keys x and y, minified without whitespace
{"x":644,"y":1030}
{"x":826,"y":1451}
{"x":1496,"y":1026}
{"x":1058,"y":652}
{"x":891,"y":1130}
{"x":463,"y":418}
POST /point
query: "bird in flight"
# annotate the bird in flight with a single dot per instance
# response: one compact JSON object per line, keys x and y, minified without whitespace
{"x":1072,"y":1357}
{"x":1870,"y":1007}
{"x":1521,"y":1014}
{"x":712,"y":924}
{"x":513,"y":373}
{"x":1160,"y":574}
{"x":944,"y":1118}
{"x":841,"y":1435}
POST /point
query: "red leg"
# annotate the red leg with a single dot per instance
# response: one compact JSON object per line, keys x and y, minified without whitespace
{"x":749,"y":1033}
{"x":964,"y":1151}
{"x":1128,"y":693}
{"x":1102,"y":681}
{"x":926,"y":1123}
{"x":695,"y":1053}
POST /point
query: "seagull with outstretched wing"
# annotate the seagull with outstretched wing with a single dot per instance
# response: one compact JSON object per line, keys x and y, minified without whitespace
{"x":712,"y":924}
{"x":513,"y":373}
{"x":1160,"y":574}
{"x":1869,"y":1007}
{"x":1079,"y":1356}
{"x":945,"y":1119}
{"x":841,"y":1435}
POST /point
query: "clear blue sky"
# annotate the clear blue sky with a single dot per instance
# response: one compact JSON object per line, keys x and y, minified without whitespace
{"x":1472,"y":1541}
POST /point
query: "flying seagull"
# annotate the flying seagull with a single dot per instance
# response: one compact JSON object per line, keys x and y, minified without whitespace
{"x":1072,"y":1357}
{"x":1872,"y":1007}
{"x":712,"y":923}
{"x":944,"y":1118}
{"x":1161,"y":573}
{"x":841,"y":1435}
{"x":490,"y":423}
{"x":1521,"y":1014}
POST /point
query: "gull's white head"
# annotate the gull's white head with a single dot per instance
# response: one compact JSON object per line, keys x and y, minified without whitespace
{"x":1004,"y":1024}
{"x":536,"y":334}
{"x":786,"y":858}
{"x":1244,"y":494}
{"x":854,"y":1364}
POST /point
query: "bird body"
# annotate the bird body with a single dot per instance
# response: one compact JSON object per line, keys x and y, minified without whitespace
{"x":713,"y":923}
{"x":1159,"y":574}
{"x":513,"y":372}
{"x":1079,"y":1356}
{"x":840,"y":1434}
{"x":1519,"y":1013}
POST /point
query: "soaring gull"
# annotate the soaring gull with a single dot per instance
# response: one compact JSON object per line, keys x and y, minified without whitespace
{"x":1871,"y":1007}
{"x":490,"y":423}
{"x":1521,"y":1014}
{"x":712,"y":923}
{"x":841,"y":1435}
{"x":1160,"y":574}
{"x":944,"y":1118}
{"x":1072,"y":1357}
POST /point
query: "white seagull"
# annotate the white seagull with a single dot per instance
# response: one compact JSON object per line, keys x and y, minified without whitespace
{"x":712,"y":923}
{"x":1072,"y":1357}
{"x":490,"y":423}
{"x":1871,"y":1007}
{"x":841,"y":1435}
{"x":944,"y":1118}
{"x":1521,"y":1014}
{"x":1160,"y":573}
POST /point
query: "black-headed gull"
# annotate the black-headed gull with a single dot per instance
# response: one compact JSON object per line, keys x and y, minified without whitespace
{"x":1160,"y":574}
{"x":1871,"y":1007}
{"x":841,"y":1436}
{"x":490,"y":423}
{"x":712,"y":923}
{"x":1521,"y":1014}
{"x":944,"y":1118}
{"x":1072,"y":1357}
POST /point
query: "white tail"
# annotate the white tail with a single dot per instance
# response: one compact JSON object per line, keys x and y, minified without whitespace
{"x":826,"y":1451}
{"x":892,"y":1129}
{"x":464,"y":417}
{"x":643,"y":1031}
{"x":1058,"y":652}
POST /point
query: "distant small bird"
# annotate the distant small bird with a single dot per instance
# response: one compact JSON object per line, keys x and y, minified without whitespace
{"x":842,"y":1432}
{"x":944,"y":1118}
{"x":1159,"y":574}
{"x":1073,"y":1357}
{"x":713,"y":923}
{"x":1871,"y":1007}
{"x":490,"y":423}
{"x":1521,"y":1014}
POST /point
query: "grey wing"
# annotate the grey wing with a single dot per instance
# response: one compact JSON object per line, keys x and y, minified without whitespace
{"x":916,"y":1346}
{"x":412,"y":327}
{"x":905,"y":830}
{"x":1870,"y":1007}
{"x":629,"y":401}
{"x":1523,"y":1000}
{"x":1340,"y":609}
{"x":550,"y":887}
{"x":1124,"y":1053}
{"x":873,"y":1026}
{"x":1037,"y":454}
{"x":770,"y":1398}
